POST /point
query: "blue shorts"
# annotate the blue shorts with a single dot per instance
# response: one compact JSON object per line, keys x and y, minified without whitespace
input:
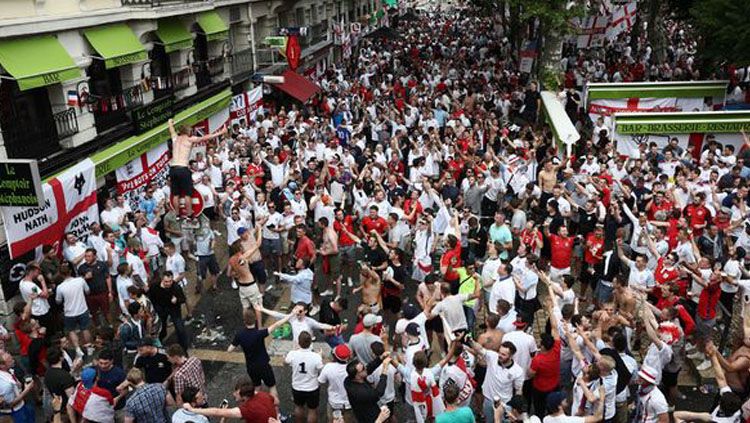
{"x":75,"y":323}
{"x":271,"y":247}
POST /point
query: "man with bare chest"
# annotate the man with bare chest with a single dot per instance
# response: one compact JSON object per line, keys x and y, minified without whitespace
{"x":370,"y":289}
{"x":329,"y":251}
{"x":239,"y":268}
{"x":180,"y":177}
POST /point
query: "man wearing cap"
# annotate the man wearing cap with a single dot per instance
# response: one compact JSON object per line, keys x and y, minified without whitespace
{"x":334,"y":374}
{"x":362,"y":341}
{"x":557,"y":403}
{"x":651,"y":405}
{"x":153,"y":363}
{"x":91,"y":401}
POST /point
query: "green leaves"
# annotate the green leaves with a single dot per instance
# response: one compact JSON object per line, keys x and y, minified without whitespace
{"x":724,"y":30}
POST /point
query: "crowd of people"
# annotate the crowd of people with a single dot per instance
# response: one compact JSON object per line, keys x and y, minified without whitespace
{"x":493,"y":277}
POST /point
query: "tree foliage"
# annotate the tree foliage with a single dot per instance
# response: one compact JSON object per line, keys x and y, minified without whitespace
{"x":724,"y":30}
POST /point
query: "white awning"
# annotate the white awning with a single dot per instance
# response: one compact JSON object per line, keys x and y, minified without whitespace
{"x":562,"y":127}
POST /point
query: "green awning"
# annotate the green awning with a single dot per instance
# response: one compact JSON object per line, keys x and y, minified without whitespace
{"x":37,"y":61}
{"x":213,"y":26}
{"x":116,"y":44}
{"x":116,"y":156}
{"x":174,"y":35}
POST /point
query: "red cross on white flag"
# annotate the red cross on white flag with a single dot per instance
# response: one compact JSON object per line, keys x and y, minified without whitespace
{"x":622,"y":19}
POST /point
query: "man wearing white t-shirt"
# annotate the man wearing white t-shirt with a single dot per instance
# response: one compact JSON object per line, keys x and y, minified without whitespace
{"x":504,"y":377}
{"x":557,"y":403}
{"x":306,"y":365}
{"x":525,"y":345}
{"x":32,"y":293}
{"x":334,"y":374}
{"x":651,"y":405}
{"x":72,"y":294}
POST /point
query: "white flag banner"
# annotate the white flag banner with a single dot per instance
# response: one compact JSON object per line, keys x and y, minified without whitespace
{"x":69,"y":206}
{"x":591,"y":31}
{"x":133,"y":178}
{"x":607,"y":107}
{"x":254,"y":102}
{"x":627,"y":144}
{"x":622,"y":19}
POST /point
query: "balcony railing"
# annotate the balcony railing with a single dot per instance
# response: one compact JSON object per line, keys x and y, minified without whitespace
{"x":174,"y":82}
{"x":156,"y":3}
{"x":126,"y":100}
{"x":66,"y":123}
{"x":242,"y":63}
{"x":216,"y":66}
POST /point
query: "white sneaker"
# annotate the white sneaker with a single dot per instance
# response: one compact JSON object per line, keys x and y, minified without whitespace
{"x":349,"y":282}
{"x":705,"y":365}
{"x":314,"y":310}
{"x":326,"y":293}
{"x":234,"y":284}
{"x":696,"y":355}
{"x":268,"y":288}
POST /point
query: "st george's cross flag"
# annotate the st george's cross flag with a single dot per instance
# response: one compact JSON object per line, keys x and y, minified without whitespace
{"x":69,"y":206}
{"x":591,"y":31}
{"x":622,"y":19}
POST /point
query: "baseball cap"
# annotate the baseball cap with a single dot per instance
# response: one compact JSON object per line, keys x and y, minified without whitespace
{"x":241,"y":230}
{"x":648,"y":374}
{"x":148,"y":342}
{"x":554,"y":400}
{"x":517,"y":403}
{"x":410,"y":311}
{"x":412,"y":329}
{"x":342,"y":352}
{"x":371,"y":320}
{"x":88,"y":376}
{"x":521,"y":321}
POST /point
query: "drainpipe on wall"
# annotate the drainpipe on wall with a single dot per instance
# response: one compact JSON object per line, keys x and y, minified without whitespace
{"x":252,"y":36}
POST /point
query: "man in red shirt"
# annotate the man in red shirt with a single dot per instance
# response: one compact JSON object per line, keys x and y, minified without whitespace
{"x":255,"y":171}
{"x":698,"y":214}
{"x":305,"y":246}
{"x":253,"y":406}
{"x":658,"y":204}
{"x":343,"y":225}
{"x":561,"y":247}
{"x":451,"y":261}
{"x":545,"y":366}
{"x":592,"y":255}
{"x":373,"y":222}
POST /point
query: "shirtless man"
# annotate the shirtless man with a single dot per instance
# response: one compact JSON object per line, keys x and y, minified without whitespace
{"x":492,"y":337}
{"x":548,"y":180}
{"x":255,"y":261}
{"x":179,"y":173}
{"x":329,"y":250}
{"x":624,"y":298}
{"x":737,"y":365}
{"x":250,"y":295}
{"x":370,"y":288}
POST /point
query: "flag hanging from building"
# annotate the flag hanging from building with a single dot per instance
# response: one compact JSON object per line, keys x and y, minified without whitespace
{"x":134,"y":177}
{"x":69,"y":206}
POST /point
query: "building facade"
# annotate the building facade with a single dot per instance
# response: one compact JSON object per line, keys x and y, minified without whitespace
{"x":100,"y":78}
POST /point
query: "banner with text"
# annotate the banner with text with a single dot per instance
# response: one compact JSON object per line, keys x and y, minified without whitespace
{"x":69,"y":206}
{"x":246,"y":105}
{"x":134,"y":177}
{"x":207,"y":126}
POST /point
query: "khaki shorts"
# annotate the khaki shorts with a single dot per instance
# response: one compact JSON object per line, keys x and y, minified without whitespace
{"x":250,"y":296}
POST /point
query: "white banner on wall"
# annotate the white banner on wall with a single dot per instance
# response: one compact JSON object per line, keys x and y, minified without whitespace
{"x":70,"y":206}
{"x":134,"y":177}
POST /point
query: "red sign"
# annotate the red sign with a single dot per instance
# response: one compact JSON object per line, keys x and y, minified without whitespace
{"x":293,"y":52}
{"x":196,"y":203}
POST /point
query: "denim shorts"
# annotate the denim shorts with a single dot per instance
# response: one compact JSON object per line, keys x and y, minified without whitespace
{"x":81,"y":322}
